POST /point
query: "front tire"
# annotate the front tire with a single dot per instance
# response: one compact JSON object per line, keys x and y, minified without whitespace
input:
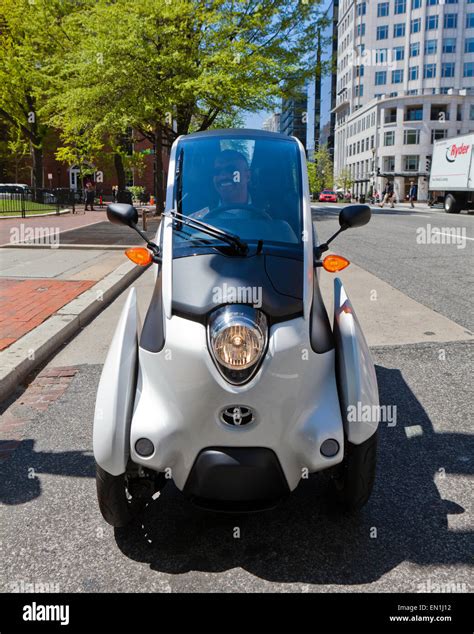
{"x":355,"y":476}
{"x":451,"y":205}
{"x":118,"y":508}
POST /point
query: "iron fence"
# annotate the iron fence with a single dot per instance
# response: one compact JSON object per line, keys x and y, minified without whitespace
{"x":23,"y":201}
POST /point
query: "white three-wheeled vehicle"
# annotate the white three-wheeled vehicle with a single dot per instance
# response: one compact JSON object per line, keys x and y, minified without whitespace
{"x":236,"y":386}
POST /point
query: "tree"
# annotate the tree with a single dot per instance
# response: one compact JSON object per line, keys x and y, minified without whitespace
{"x":174,"y":67}
{"x":320,"y":172}
{"x":344,"y":179}
{"x":29,"y":33}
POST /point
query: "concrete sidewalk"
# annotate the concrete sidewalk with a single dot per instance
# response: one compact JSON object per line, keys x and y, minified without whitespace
{"x":46,"y":296}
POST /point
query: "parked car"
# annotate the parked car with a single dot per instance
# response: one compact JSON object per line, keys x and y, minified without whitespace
{"x":328,"y":196}
{"x":13,"y":190}
{"x":213,"y":391}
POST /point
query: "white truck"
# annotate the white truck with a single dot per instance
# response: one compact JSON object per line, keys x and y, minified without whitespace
{"x":452,"y":173}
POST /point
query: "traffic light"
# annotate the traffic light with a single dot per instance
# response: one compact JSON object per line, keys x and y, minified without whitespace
{"x":428,"y":164}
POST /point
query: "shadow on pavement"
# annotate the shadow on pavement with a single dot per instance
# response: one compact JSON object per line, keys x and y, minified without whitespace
{"x":305,"y":539}
{"x":20,"y":474}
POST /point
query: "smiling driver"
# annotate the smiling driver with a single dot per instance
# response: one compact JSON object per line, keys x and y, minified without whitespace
{"x":231,"y":177}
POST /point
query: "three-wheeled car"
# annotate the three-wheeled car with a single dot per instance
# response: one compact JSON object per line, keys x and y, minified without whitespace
{"x":237,"y":385}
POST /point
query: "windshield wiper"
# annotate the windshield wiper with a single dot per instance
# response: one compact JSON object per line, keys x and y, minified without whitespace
{"x":239,"y":245}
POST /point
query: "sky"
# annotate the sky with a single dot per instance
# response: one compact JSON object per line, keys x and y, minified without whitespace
{"x":254,"y":120}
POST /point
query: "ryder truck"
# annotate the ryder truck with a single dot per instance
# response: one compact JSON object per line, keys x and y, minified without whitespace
{"x":452,"y":172}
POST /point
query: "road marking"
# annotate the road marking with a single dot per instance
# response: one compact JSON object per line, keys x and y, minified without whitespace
{"x":442,"y":233}
{"x":413,"y":430}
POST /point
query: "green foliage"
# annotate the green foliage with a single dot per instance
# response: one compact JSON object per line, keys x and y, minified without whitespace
{"x":344,"y":179}
{"x":136,"y":191}
{"x":320,"y":172}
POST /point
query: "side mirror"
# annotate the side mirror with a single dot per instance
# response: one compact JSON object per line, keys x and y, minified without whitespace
{"x":122,"y":214}
{"x":354,"y":216}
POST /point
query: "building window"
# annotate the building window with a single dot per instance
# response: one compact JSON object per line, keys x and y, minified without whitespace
{"x":414,"y":113}
{"x":471,"y":112}
{"x":431,"y":46}
{"x":372,"y":142}
{"x":413,"y":73}
{"x":451,"y":1}
{"x":429,"y":71}
{"x":389,"y":138}
{"x":380,"y":77}
{"x":382,"y":9}
{"x":436,"y":135}
{"x":414,"y":49}
{"x":432,"y":2}
{"x":359,"y":71}
{"x":399,"y":29}
{"x":469,"y":69}
{"x":412,"y":92}
{"x":391,"y":115}
{"x":416,"y":4}
{"x":415,"y":26}
{"x":432,"y":22}
{"x":381,"y":55}
{"x":450,"y":20}
{"x":359,"y":90}
{"x":459,"y":113}
{"x":411,"y":137}
{"x":447,"y":69}
{"x":361,"y":8}
{"x":399,"y":53}
{"x":382,"y":32}
{"x":411,"y":163}
{"x":361,"y":30}
{"x":449,"y":45}
{"x":439,"y":113}
{"x":388,"y":163}
{"x":400,"y":6}
{"x":469,"y":45}
{"x":469,"y":20}
{"x":397,"y":76}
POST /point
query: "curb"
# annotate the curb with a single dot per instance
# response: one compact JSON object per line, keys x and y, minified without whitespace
{"x":31,"y":350}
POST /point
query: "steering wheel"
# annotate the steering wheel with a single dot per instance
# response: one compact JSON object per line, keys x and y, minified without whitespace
{"x":254,"y":212}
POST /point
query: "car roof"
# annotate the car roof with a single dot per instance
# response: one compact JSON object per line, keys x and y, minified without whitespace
{"x":13,"y":185}
{"x":236,"y":132}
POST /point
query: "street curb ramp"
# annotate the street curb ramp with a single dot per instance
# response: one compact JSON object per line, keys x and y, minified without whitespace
{"x":31,"y":350}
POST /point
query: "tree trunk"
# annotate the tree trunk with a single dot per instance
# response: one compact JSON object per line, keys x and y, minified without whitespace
{"x":120,"y":171}
{"x":37,"y":171}
{"x":159,"y":182}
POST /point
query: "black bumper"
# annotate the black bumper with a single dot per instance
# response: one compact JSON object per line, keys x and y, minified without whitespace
{"x":236,"y":479}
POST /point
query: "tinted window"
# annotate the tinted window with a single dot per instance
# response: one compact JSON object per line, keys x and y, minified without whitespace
{"x":247,"y":186}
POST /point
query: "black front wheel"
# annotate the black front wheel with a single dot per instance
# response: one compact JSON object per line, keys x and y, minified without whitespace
{"x":354,"y":477}
{"x":121,"y":498}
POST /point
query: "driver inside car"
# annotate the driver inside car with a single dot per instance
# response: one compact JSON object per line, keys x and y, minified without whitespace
{"x":231,"y":178}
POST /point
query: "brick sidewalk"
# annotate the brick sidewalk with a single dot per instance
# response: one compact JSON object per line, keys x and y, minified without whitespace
{"x":46,"y":388}
{"x":25,"y":304}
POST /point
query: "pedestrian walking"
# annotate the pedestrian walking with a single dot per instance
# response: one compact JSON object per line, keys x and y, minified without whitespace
{"x":90,"y":196}
{"x":412,"y":194}
{"x":388,"y":194}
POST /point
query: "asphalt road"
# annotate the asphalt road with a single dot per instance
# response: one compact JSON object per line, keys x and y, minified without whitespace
{"x":440,"y":276}
{"x":415,"y":532}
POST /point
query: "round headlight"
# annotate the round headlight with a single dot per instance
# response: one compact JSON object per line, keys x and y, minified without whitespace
{"x":237,"y":340}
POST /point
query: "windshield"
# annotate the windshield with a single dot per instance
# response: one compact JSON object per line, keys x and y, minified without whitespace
{"x":247,"y":186}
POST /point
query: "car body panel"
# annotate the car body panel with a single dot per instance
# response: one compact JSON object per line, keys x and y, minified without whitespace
{"x":294,"y":396}
{"x":356,"y":378}
{"x":116,"y":393}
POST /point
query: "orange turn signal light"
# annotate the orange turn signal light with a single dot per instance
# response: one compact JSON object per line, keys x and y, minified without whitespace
{"x":334,"y":263}
{"x":139,"y":255}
